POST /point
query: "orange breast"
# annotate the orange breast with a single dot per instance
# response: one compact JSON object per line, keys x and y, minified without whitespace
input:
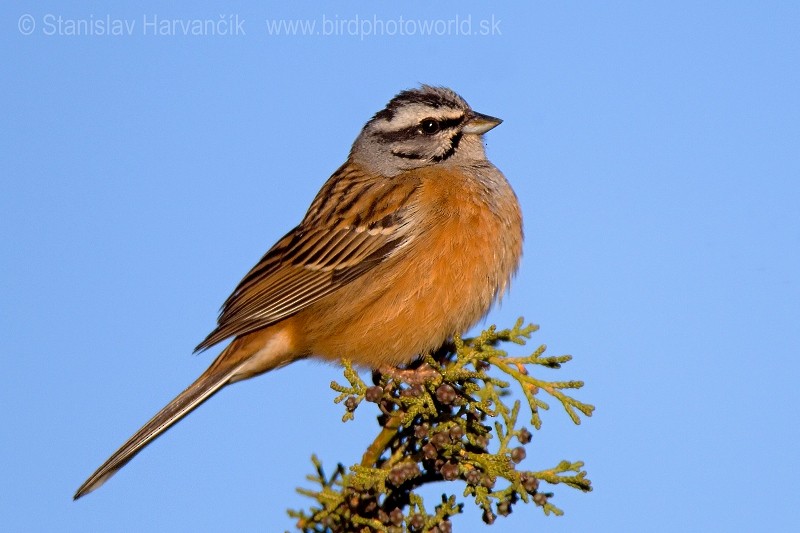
{"x":459,"y":261}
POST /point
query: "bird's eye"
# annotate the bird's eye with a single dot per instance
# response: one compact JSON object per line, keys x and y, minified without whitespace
{"x":429,"y":126}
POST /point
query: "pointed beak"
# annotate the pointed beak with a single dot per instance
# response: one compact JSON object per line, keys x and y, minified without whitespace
{"x":480,"y":124}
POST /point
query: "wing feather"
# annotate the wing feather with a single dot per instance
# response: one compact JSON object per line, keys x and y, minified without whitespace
{"x":313,"y":261}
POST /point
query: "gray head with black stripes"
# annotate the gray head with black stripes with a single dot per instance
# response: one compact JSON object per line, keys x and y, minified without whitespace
{"x":422,"y":127}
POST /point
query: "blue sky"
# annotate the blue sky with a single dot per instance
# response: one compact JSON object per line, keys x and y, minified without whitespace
{"x":655,"y":149}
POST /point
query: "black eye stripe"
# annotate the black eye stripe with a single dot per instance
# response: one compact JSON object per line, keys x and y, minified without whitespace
{"x":410,"y":132}
{"x":450,"y":122}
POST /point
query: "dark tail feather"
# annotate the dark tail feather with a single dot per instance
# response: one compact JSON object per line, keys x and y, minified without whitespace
{"x":182,"y":405}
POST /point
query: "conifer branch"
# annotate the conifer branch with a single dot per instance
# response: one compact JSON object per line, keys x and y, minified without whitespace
{"x":441,"y":429}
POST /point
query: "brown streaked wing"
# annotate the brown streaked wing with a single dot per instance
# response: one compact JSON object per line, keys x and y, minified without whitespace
{"x":308,"y":264}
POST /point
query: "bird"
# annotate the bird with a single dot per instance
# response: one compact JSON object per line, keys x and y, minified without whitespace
{"x":410,"y":242}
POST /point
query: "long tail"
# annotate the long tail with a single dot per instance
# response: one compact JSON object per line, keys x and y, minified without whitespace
{"x":206,"y":385}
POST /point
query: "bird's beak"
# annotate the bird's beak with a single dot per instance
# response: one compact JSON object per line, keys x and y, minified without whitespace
{"x":480,"y":124}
